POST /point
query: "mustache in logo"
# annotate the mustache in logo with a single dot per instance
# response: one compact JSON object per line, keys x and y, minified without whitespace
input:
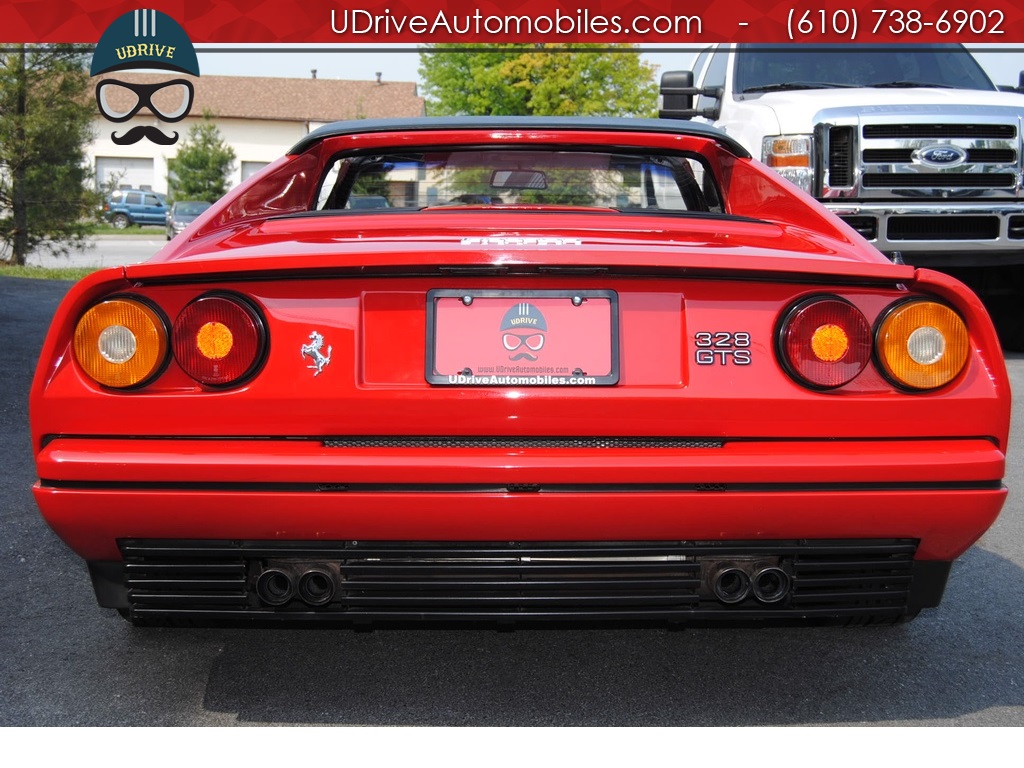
{"x":523,"y":355}
{"x":140,"y":132}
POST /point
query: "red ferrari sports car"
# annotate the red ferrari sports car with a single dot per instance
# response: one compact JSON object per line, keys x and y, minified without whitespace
{"x":560,"y":370}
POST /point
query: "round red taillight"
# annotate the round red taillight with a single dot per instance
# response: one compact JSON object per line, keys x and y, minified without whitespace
{"x":825,"y":342}
{"x":219,"y":340}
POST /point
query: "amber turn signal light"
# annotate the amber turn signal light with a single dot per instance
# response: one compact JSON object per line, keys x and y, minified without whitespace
{"x":121,"y":342}
{"x":922,"y":344}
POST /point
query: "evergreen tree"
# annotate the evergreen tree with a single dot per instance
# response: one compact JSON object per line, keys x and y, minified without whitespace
{"x":46,"y":118}
{"x":204,"y":161}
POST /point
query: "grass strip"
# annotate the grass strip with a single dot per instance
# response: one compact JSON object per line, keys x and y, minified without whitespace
{"x":45,"y":273}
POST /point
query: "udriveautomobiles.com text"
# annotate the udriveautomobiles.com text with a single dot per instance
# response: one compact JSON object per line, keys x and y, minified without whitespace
{"x":583,"y":22}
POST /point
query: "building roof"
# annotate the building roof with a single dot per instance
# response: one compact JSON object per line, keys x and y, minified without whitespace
{"x":289,"y":99}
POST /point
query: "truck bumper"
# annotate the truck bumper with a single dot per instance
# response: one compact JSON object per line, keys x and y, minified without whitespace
{"x":940,"y":236}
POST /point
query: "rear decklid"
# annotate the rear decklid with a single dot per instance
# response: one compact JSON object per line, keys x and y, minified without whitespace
{"x":484,"y":241}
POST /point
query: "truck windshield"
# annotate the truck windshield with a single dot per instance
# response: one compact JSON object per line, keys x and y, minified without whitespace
{"x":786,"y":67}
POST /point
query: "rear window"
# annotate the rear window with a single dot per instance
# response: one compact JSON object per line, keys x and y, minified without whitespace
{"x":510,"y":177}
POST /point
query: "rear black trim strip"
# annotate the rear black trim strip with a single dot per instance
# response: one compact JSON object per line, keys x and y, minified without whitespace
{"x":516,"y":443}
{"x":401,"y":126}
{"x":488,"y":441}
{"x":468,"y":488}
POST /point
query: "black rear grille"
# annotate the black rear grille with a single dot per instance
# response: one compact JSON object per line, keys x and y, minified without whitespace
{"x":587,"y":578}
{"x":939,"y":131}
{"x":210,"y":578}
{"x":400,"y":581}
{"x":878,"y":156}
{"x":596,"y":443}
{"x":833,"y":579}
{"x":941,"y":180}
{"x":943,"y":228}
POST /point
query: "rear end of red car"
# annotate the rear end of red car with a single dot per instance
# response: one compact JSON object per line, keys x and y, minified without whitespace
{"x":527,"y":415}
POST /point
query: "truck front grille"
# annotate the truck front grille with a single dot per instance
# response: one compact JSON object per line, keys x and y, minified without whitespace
{"x":943,"y":228}
{"x":840,"y":156}
{"x":939,"y":131}
{"x":904,"y":155}
{"x":903,"y":162}
{"x":940,"y":180}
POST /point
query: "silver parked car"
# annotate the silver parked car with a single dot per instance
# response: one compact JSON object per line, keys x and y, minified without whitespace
{"x":183,"y":213}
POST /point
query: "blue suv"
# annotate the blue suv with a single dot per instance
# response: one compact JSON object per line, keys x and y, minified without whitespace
{"x":135,"y":207}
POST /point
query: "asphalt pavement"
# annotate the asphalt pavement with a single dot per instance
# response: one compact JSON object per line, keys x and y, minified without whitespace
{"x":68,"y":662}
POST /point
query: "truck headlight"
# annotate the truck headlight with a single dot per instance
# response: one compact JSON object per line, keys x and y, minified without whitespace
{"x":791,"y":157}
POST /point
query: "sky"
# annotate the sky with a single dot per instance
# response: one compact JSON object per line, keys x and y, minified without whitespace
{"x":1002,"y":63}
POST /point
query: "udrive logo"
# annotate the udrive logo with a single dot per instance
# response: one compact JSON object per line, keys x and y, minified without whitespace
{"x":144,"y":39}
{"x":523,"y":331}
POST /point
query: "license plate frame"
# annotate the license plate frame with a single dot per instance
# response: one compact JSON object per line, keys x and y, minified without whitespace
{"x":482,"y":337}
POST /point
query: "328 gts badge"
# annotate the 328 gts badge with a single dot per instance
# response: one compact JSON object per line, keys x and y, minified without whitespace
{"x":722,"y":348}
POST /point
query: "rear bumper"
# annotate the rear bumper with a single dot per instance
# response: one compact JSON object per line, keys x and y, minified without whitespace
{"x":95,"y":492}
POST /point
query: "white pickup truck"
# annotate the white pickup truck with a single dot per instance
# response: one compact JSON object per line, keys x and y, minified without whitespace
{"x":913,"y":146}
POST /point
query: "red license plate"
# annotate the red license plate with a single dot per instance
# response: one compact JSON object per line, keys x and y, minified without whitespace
{"x":522,"y":338}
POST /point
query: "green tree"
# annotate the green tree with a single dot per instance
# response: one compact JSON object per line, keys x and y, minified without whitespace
{"x":46,"y":117}
{"x":200,"y":170}
{"x":527,"y":79}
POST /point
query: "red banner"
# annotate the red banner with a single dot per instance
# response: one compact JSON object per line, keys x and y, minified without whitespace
{"x":383,"y":22}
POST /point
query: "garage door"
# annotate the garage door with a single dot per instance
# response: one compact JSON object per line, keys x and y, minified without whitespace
{"x":127,"y":172}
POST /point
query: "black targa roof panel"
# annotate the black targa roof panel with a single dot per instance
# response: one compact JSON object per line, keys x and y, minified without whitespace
{"x":626,"y":125}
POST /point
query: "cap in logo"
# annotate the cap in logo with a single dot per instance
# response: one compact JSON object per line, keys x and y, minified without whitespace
{"x":144,"y":39}
{"x":523,"y":315}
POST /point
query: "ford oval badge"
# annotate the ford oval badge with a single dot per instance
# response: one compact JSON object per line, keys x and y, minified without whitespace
{"x":940,"y":156}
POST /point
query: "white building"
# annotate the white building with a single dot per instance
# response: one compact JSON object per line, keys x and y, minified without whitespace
{"x":259,"y":117}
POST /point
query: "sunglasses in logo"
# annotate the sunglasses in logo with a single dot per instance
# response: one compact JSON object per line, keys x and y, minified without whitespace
{"x":175,"y":97}
{"x":513,"y":341}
